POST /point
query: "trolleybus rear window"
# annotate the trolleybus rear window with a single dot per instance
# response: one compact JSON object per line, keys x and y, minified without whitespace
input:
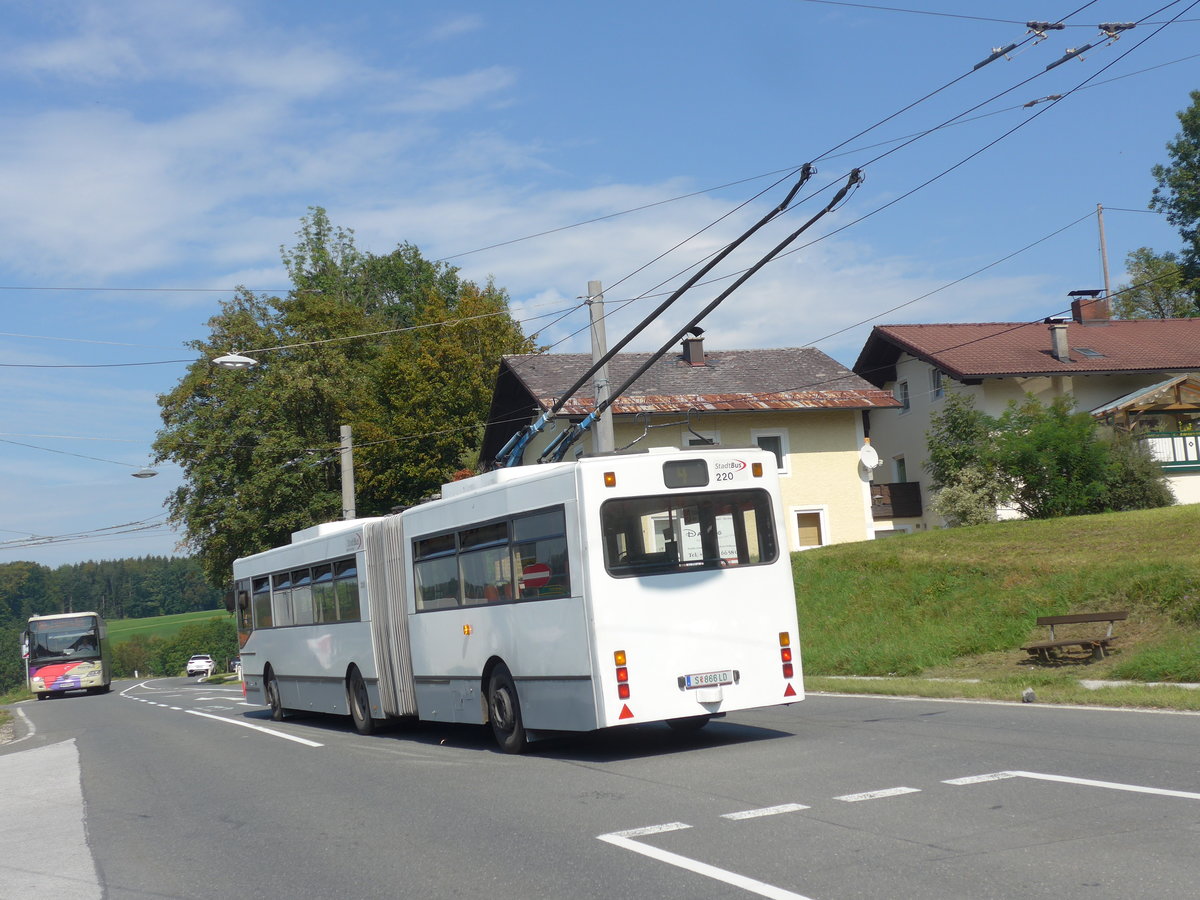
{"x":683,"y":532}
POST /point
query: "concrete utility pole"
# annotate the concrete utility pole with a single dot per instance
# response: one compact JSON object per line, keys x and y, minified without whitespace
{"x":347,"y":455}
{"x":1104,"y":256}
{"x":604,"y":441}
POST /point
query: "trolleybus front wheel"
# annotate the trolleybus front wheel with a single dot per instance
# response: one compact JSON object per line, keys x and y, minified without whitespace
{"x":504,"y":711}
{"x":273,"y":698}
{"x":360,"y":702}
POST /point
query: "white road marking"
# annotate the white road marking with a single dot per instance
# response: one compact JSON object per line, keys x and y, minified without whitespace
{"x":979,"y":779}
{"x":1084,"y":782}
{"x":765,"y":811}
{"x":624,"y":840}
{"x":271,"y":731}
{"x":877,"y":795}
{"x":192,"y":712}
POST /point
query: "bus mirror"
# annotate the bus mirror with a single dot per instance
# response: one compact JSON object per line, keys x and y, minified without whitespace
{"x":229,"y":601}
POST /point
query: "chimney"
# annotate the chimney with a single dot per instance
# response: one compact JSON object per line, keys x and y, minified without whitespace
{"x":693,"y":350}
{"x":1058,"y":341}
{"x":1088,"y":307}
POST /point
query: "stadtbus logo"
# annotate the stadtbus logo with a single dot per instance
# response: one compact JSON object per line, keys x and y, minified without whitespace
{"x":731,"y":465}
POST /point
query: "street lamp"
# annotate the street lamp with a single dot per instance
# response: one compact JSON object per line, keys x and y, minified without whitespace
{"x":147,"y":472}
{"x":235,"y":361}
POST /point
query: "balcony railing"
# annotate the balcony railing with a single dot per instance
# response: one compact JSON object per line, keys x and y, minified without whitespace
{"x":1174,"y":449}
{"x":900,"y":499}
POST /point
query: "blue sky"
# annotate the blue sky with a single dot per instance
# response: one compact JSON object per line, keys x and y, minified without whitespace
{"x":157,"y":154}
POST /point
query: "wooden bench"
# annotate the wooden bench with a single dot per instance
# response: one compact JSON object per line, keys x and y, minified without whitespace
{"x":1046,"y":650}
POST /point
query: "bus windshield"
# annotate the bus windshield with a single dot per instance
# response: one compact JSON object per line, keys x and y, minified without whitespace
{"x":63,"y":640}
{"x":681,"y":532}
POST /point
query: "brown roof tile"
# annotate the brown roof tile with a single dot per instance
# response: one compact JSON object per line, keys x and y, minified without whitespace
{"x":776,"y":379}
{"x":992,"y":349}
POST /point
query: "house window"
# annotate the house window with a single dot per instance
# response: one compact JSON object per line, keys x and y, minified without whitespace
{"x":773,"y":442}
{"x":810,"y":528}
{"x":901,"y":394}
{"x":900,"y":469}
{"x":936,"y":391}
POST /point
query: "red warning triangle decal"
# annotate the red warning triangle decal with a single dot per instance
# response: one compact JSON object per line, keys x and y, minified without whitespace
{"x":790,"y":692}
{"x":625,"y":713}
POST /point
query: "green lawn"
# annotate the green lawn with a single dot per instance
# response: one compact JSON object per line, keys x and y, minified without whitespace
{"x":159,"y":626}
{"x":958,"y":604}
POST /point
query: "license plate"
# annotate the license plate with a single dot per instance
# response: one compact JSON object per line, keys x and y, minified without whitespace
{"x":707,"y":679}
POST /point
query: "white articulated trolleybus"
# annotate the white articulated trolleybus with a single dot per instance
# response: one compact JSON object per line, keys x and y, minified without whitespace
{"x":570,"y":596}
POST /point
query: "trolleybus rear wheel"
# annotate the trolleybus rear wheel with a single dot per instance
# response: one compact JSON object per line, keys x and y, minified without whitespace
{"x":360,"y":702}
{"x":504,"y":711}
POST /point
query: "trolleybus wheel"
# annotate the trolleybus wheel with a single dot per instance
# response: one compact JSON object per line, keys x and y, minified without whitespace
{"x":42,"y":695}
{"x":504,"y":711}
{"x":360,"y":702}
{"x":689,"y":723}
{"x":273,"y":698}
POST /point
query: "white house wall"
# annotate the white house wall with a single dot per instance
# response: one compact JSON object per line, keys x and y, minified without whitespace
{"x":899,"y":433}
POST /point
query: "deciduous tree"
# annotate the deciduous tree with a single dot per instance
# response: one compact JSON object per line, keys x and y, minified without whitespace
{"x":1156,"y":288}
{"x":396,"y":346}
{"x":1177,"y":193}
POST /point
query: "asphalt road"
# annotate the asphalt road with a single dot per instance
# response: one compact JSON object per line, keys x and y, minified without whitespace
{"x":177,"y":790}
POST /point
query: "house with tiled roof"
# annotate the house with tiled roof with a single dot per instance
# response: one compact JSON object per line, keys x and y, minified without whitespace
{"x":1131,"y":373}
{"x":796,"y":402}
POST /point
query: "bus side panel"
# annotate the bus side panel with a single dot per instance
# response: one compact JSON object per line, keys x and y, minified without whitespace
{"x":555,"y":686}
{"x":451,"y":649}
{"x":323,"y":656}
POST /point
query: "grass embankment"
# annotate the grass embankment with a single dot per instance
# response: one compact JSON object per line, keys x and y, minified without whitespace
{"x":958,"y":604}
{"x":120,"y":630}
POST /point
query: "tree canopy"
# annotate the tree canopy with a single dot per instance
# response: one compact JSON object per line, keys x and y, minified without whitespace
{"x":1045,"y":461}
{"x":1156,"y":289}
{"x":1177,"y":193}
{"x":398,"y":347}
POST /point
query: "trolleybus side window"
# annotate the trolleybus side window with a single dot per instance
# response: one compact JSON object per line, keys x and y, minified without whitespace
{"x":485,"y":564}
{"x":436,"y":572}
{"x":520,"y":558}
{"x":680,"y":532}
{"x":540,"y":555}
{"x":262,"y":603}
{"x":281,"y":598}
{"x":302,"y":598}
{"x":345,"y":574}
{"x":324,"y":598}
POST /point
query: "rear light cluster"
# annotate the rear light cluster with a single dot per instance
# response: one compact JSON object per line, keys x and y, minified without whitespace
{"x":622,"y":675}
{"x":622,"y":683}
{"x":785,"y":654}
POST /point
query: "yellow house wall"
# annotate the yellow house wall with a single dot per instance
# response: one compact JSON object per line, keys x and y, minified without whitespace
{"x":822,"y":473}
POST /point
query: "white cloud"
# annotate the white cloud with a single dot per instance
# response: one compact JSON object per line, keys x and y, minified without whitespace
{"x":455,"y":27}
{"x":455,"y":92}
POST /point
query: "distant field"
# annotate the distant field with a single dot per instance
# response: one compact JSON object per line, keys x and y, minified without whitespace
{"x":159,"y":626}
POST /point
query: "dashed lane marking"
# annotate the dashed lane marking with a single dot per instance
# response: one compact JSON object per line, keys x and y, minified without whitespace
{"x":765,"y":811}
{"x":877,"y":795}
